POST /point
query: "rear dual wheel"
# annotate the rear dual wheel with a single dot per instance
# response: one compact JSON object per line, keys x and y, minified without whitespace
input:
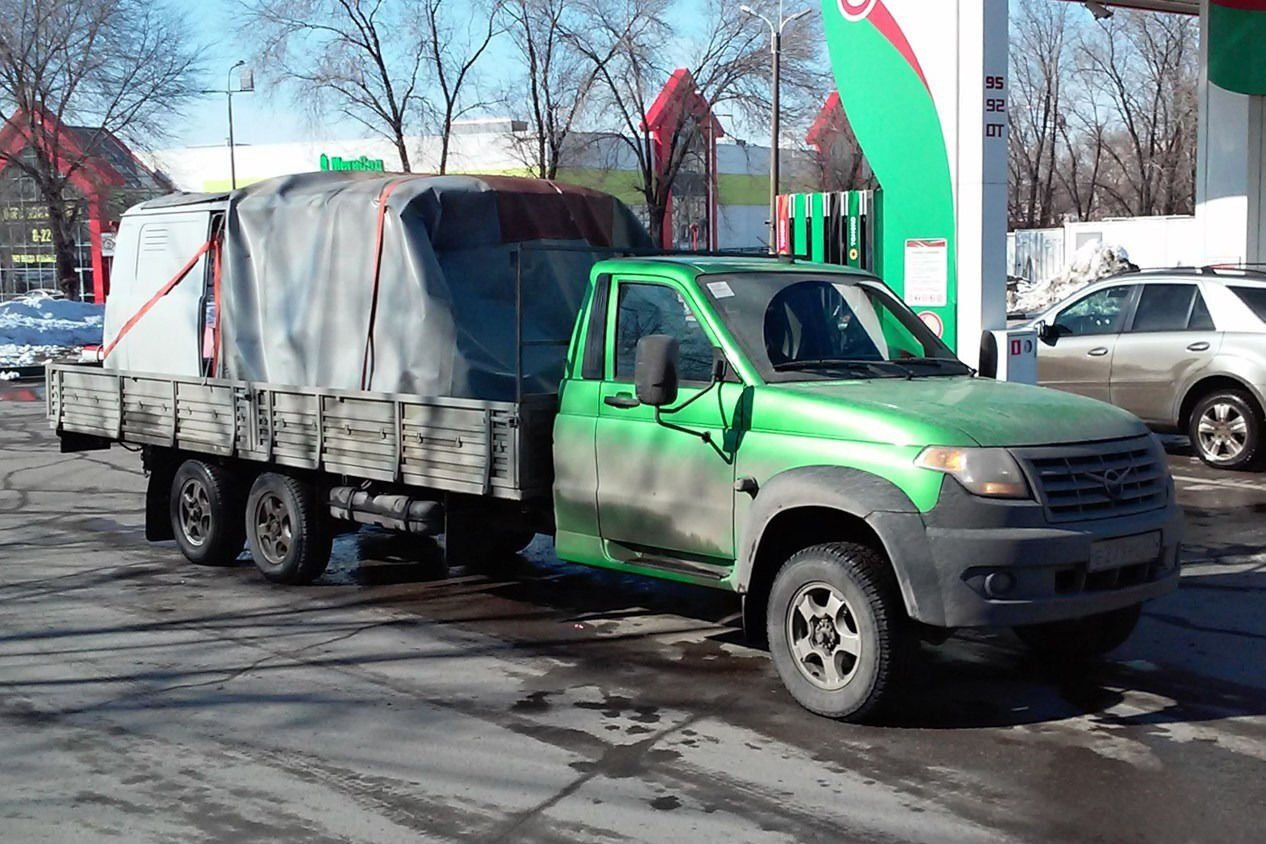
{"x":288,"y":534}
{"x":206,"y":513}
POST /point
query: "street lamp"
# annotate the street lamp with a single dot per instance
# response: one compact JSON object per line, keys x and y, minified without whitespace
{"x":775,"y":46}
{"x":245,"y":85}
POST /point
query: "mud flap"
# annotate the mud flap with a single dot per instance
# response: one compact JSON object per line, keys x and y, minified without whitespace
{"x":161,"y":469}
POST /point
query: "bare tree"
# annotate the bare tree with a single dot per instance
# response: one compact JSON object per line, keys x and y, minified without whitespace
{"x":362,"y":57}
{"x":842,"y":165}
{"x":1083,"y":129}
{"x":78,"y":73}
{"x":630,"y":44}
{"x":1039,"y":70}
{"x":558,"y":77}
{"x":1145,"y":67}
{"x":453,"y":49}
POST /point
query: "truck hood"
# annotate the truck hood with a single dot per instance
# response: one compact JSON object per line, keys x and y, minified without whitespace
{"x":941,"y":411}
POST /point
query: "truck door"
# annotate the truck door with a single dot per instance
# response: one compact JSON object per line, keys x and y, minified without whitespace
{"x":663,"y":490}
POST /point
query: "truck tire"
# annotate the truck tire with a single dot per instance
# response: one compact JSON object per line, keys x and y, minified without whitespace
{"x":286,"y":529}
{"x":1226,"y":430}
{"x":1081,"y":638}
{"x":838,"y":632}
{"x":206,"y":513}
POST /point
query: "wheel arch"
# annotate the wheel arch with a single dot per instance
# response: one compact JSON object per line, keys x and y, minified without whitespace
{"x":1212,"y":383}
{"x":809,"y":506}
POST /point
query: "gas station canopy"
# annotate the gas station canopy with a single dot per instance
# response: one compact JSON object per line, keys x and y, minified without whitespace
{"x":1184,"y":7}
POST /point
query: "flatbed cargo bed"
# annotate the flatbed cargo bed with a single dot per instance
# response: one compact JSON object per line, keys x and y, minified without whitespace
{"x":497,"y":449}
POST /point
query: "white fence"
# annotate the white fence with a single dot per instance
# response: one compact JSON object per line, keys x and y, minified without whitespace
{"x":1039,"y":255}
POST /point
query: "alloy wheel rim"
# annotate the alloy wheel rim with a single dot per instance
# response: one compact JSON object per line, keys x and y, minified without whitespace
{"x":195,"y":512}
{"x":823,"y":636}
{"x":273,"y":528}
{"x":1222,"y":432}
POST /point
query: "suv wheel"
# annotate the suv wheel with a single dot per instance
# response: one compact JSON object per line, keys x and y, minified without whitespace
{"x":838,"y":633}
{"x":1226,"y":430}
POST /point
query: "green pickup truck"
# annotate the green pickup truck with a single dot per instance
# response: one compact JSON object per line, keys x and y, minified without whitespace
{"x":790,"y":432}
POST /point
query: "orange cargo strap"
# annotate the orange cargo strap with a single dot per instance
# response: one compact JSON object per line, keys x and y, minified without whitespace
{"x":366,"y":370}
{"x":153,"y":300}
{"x":216,"y":252}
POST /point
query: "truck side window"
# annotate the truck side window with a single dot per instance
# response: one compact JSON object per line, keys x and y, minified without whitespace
{"x":647,"y":309}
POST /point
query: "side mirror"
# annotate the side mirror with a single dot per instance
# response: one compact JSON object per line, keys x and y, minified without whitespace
{"x":1050,"y":332}
{"x":655,"y":370}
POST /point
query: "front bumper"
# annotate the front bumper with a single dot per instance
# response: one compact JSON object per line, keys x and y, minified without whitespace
{"x":944,"y":559}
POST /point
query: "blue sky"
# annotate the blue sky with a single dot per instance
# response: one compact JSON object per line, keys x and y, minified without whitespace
{"x":269,"y":116}
{"x":266,"y":116}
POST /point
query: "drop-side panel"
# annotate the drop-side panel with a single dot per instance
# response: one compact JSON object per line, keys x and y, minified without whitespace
{"x":456,"y":445}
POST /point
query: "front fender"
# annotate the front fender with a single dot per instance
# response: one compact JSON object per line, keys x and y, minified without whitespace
{"x":885,"y":508}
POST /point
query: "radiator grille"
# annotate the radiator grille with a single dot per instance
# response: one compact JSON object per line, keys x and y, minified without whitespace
{"x":1098,"y":481}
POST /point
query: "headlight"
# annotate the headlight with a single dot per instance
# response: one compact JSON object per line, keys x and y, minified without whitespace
{"x":991,"y":472}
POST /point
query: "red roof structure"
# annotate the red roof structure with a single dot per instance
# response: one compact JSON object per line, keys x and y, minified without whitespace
{"x":828,"y":125}
{"x":105,"y":165}
{"x":679,"y":99}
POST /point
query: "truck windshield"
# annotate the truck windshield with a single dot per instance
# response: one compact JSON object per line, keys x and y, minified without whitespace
{"x":797,"y":327}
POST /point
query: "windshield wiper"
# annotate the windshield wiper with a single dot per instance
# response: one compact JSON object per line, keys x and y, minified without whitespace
{"x":939,"y":362}
{"x":847,"y":364}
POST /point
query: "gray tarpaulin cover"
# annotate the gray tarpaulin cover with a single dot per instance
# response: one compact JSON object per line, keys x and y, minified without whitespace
{"x":301,"y":255}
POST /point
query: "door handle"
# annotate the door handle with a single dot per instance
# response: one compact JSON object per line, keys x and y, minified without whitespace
{"x":1098,"y":351}
{"x":1200,"y":346}
{"x":623,"y":401}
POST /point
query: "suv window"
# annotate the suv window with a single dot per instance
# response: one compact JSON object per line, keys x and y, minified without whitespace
{"x":1255,"y":298}
{"x":1102,"y":312}
{"x":1171,"y":307}
{"x":647,"y":309}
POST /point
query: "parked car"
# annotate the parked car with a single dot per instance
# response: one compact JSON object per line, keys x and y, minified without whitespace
{"x":1182,"y":349}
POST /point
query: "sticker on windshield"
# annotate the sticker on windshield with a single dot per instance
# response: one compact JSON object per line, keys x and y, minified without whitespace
{"x":720,"y":289}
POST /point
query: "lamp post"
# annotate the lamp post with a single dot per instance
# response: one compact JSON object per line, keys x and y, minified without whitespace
{"x":246,"y":84}
{"x":775,"y":48}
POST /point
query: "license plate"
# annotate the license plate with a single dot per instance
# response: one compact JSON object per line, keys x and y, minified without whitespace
{"x":1126,"y":551}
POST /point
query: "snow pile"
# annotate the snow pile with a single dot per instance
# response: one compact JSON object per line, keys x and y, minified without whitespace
{"x":1093,"y":261}
{"x":39,"y":326}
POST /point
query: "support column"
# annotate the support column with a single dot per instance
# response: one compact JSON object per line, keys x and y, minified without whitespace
{"x":1231,"y":158}
{"x":924,"y":86}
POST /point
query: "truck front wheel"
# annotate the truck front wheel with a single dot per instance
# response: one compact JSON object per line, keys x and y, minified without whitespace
{"x":838,"y":633}
{"x":286,"y":530}
{"x":206,"y":513}
{"x":1081,"y":638}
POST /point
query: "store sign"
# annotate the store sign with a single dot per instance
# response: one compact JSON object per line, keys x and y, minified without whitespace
{"x":334,"y":162}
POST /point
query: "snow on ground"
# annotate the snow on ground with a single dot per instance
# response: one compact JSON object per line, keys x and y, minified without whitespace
{"x":1093,"y":261}
{"x":36,"y":327}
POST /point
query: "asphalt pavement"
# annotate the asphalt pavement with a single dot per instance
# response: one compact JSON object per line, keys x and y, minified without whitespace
{"x":146,"y":699}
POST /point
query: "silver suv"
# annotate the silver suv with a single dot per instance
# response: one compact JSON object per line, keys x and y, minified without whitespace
{"x":1184,"y":350}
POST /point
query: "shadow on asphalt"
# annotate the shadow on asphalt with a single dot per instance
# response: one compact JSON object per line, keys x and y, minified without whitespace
{"x":596,"y":620}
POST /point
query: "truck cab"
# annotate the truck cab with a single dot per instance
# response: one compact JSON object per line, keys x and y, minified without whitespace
{"x":794,"y":433}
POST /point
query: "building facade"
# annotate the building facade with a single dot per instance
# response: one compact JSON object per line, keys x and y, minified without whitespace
{"x":103,"y":179}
